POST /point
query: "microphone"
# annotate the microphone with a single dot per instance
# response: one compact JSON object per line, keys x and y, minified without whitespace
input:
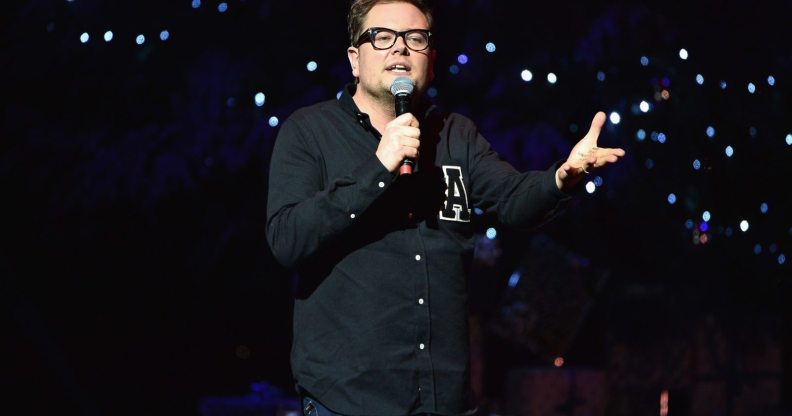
{"x":402,"y":89}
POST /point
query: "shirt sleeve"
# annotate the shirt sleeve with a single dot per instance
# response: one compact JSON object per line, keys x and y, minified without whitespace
{"x":519,"y":199}
{"x":306,"y":211}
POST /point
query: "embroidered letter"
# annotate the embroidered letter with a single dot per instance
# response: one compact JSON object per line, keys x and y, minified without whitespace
{"x":456,"y":203}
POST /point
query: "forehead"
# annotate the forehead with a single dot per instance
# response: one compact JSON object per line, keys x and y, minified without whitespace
{"x":397,"y":16}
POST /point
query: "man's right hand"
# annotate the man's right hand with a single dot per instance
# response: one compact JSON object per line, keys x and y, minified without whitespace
{"x":400,"y":140}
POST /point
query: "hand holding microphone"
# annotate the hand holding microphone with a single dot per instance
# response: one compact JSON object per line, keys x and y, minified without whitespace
{"x":402,"y":88}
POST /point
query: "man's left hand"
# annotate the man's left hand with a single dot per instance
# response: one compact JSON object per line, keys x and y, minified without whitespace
{"x":586,"y":157}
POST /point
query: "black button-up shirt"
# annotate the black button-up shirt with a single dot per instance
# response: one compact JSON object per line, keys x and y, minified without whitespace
{"x":380,"y":315}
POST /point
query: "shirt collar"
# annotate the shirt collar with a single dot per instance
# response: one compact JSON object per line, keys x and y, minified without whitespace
{"x":347,"y":103}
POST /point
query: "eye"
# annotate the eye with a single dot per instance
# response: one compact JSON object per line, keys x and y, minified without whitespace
{"x":383,"y":37}
{"x":416,"y":38}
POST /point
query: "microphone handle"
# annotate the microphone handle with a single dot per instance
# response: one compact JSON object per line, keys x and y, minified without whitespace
{"x":403,"y":106}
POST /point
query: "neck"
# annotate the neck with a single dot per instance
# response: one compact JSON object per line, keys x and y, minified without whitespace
{"x":381,"y":110}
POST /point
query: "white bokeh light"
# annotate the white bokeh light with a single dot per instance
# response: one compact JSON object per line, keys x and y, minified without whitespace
{"x":615,"y":118}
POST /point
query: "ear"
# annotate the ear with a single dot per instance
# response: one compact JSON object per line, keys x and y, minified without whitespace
{"x":354,"y":60}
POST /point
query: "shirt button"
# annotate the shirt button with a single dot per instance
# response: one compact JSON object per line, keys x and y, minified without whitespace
{"x":381,"y":184}
{"x":352,"y":216}
{"x":417,"y":257}
{"x":420,"y":301}
{"x":421,"y":346}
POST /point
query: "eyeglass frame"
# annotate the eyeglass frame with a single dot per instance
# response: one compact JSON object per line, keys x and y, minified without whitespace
{"x":368,"y":36}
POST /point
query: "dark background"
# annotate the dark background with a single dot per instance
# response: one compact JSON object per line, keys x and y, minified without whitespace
{"x":135,"y":277}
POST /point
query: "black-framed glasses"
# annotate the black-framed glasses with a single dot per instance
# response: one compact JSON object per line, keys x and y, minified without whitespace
{"x":384,"y":38}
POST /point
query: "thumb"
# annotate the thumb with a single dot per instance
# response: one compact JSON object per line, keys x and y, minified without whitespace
{"x":405,"y":119}
{"x":596,"y":127}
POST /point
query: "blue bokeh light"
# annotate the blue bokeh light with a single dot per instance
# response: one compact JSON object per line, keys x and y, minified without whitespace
{"x":259,"y":99}
{"x":514,"y":279}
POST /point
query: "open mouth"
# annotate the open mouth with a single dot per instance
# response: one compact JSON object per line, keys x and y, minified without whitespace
{"x":398,"y":69}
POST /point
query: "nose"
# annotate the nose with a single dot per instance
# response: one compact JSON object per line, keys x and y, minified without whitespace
{"x":401,"y":45}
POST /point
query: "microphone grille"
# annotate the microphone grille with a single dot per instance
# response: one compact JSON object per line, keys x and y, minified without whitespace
{"x":402,"y":85}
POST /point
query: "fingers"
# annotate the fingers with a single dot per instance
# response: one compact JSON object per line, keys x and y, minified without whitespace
{"x":400,"y":140}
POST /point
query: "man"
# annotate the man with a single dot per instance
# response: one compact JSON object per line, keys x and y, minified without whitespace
{"x":380,"y":315}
